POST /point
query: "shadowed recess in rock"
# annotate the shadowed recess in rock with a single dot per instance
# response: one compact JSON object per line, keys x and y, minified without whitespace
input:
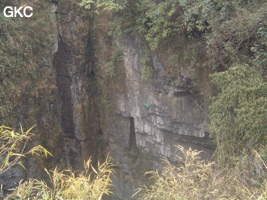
{"x":63,"y":83}
{"x":132,"y":142}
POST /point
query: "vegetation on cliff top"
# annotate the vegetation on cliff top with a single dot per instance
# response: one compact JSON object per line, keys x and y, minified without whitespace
{"x":234,"y":38}
{"x":235,"y":35}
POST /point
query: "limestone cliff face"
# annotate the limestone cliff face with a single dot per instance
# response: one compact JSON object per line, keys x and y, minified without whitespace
{"x":74,"y":63}
{"x":176,"y":115}
{"x":58,"y":101}
{"x":93,"y":125}
{"x":140,"y":137}
{"x":136,"y":137}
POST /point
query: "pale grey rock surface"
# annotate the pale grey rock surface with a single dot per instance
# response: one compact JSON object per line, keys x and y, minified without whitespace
{"x":176,"y":118}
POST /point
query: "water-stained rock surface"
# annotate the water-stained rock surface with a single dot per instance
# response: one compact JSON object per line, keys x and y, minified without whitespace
{"x":176,"y":117}
{"x":135,"y":136}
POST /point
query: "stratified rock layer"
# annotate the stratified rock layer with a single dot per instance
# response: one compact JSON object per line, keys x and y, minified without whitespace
{"x":140,"y":137}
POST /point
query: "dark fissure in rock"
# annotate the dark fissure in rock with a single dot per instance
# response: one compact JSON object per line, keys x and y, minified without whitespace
{"x":132,"y":142}
{"x":61,"y":61}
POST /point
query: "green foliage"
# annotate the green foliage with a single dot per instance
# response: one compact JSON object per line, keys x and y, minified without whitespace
{"x":13,"y":147}
{"x":199,"y":179}
{"x":239,"y":113}
{"x":19,"y":44}
{"x":92,"y":184}
{"x":147,"y":70}
{"x":161,"y":20}
{"x":155,"y":20}
{"x":240,"y":38}
{"x":25,"y":43}
{"x":116,"y":56}
{"x":231,"y":33}
{"x":102,"y":5}
{"x":227,"y":25}
{"x":235,"y":33}
{"x":259,"y":49}
{"x":115,"y":59}
{"x":197,"y":14}
{"x":229,"y":28}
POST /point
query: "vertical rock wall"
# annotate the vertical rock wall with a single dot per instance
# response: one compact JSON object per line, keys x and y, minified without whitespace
{"x":140,"y":137}
{"x":74,"y":65}
{"x":137,"y":137}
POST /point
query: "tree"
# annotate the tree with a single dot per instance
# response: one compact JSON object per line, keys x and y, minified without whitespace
{"x":239,"y":113}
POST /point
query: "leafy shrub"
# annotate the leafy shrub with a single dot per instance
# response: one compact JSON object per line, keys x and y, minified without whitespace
{"x":13,"y":147}
{"x":91,"y":184}
{"x":238,"y":38}
{"x":162,"y":20}
{"x":239,"y":113}
{"x":154,"y":20}
{"x":103,"y":5}
{"x":199,"y":179}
